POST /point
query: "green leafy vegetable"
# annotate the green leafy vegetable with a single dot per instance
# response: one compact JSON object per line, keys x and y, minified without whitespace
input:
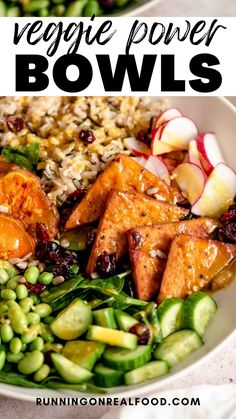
{"x":149,"y":317}
{"x":24,"y":156}
{"x":13,"y":378}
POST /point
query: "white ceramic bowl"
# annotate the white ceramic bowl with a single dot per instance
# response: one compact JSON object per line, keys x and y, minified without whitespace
{"x":210,"y":114}
{"x":140,"y":6}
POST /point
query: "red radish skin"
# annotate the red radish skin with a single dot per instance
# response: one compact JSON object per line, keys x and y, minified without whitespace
{"x":179,"y":132}
{"x":159,"y":147}
{"x":209,"y":151}
{"x":218,"y":193}
{"x":136,"y":147}
{"x":166,"y":116}
{"x":193,"y":153}
{"x":191,"y":180}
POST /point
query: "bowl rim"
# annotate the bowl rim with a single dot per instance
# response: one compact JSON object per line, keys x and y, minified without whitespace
{"x":12,"y":391}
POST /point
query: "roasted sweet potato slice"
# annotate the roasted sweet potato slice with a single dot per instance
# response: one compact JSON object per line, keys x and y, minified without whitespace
{"x":15,"y":242}
{"x":123,"y":211}
{"x":192,"y":263}
{"x":22,"y":194}
{"x":6,"y":167}
{"x":124,"y":174}
{"x":149,"y":247}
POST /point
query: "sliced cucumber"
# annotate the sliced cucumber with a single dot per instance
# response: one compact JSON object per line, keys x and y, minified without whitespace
{"x":107,"y":377}
{"x":149,"y":371}
{"x":112,"y":337}
{"x":125,"y":359}
{"x":176,"y":347}
{"x":124,"y":320}
{"x":83,"y":353}
{"x":198,"y":310}
{"x":70,"y":371}
{"x":169,"y":314}
{"x":105,"y":318}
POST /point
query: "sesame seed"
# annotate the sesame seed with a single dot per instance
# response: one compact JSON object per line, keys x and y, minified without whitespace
{"x":4,"y":209}
{"x":152,"y":191}
{"x":195,"y":288}
{"x":58,"y":280}
{"x":161,"y":254}
{"x":22,"y":265}
{"x":65,"y":243}
{"x":159,"y":197}
{"x":94,"y":275}
{"x":152,"y":253}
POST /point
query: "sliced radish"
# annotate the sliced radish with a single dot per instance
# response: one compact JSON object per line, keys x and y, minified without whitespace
{"x":159,"y":147}
{"x":193,"y":153}
{"x":167,"y":116}
{"x":218,"y":194}
{"x":137,"y":147}
{"x":158,"y":168}
{"x":179,"y":132}
{"x":140,"y":160}
{"x":191,"y":180}
{"x":209,"y":150}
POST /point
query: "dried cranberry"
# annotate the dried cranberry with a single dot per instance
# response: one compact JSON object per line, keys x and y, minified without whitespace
{"x":87,"y":136}
{"x":15,"y":123}
{"x":227,"y":232}
{"x":106,"y":264}
{"x":142,"y":332}
{"x":107,"y":4}
{"x":49,"y":252}
{"x":136,"y":240}
{"x":143,"y":136}
{"x":78,"y":193}
{"x":35,"y":288}
{"x":229,"y":215}
{"x":41,"y":233}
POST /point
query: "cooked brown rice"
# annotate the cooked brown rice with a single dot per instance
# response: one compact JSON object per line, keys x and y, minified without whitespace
{"x":66,"y":162}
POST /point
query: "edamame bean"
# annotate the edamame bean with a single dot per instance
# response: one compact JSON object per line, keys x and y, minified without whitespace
{"x":75,"y":8}
{"x":45,"y":278}
{"x":21,"y":291}
{"x":42,"y":373}
{"x":3,"y":308}
{"x":13,"y":11}
{"x":47,"y":334}
{"x":24,"y":347}
{"x":14,"y":358}
{"x":7,"y":294}
{"x":43,"y":310}
{"x":32,"y":273}
{"x":36,"y":5}
{"x":30,"y":334}
{"x":37,"y":344}
{"x":3,"y":359}
{"x":3,"y":276}
{"x":33,"y":318}
{"x":13,"y":282}
{"x":12,"y":272}
{"x":35,"y":298}
{"x":31,"y":362}
{"x":17,"y":318}
{"x":15,"y":345}
{"x":6,"y":332}
{"x":2,"y":9}
{"x":92,"y":8}
{"x":43,"y":12}
{"x":48,"y":320}
{"x":26,"y":304}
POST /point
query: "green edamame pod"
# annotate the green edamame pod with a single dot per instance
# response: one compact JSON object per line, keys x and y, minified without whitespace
{"x":2,"y":359}
{"x":17,"y":318}
{"x":31,"y":362}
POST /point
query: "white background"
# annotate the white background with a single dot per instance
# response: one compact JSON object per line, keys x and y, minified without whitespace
{"x":222,"y":46}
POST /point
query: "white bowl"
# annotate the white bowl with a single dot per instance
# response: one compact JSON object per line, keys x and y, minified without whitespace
{"x":210,"y":114}
{"x":140,"y":6}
